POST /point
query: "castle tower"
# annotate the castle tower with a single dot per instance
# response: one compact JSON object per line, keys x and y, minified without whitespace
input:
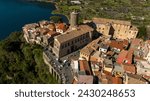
{"x":74,"y":19}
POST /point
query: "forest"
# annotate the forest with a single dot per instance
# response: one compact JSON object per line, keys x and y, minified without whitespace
{"x":22,"y":63}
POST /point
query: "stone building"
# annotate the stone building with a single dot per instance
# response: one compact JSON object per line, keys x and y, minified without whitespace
{"x":38,"y":33}
{"x":43,"y":32}
{"x":72,"y":40}
{"x":74,"y":18}
{"x":115,"y":28}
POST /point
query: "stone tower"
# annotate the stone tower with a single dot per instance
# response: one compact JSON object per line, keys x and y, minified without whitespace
{"x":74,"y":19}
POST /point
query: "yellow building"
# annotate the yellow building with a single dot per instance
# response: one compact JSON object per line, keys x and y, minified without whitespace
{"x":116,"y":28}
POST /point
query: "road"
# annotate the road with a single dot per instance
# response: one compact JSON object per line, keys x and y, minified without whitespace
{"x":64,"y":69}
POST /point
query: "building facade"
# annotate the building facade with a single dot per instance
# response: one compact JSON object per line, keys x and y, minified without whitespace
{"x":116,"y":28}
{"x":72,"y":40}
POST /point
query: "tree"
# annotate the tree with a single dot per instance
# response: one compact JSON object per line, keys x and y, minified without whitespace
{"x":21,"y":62}
{"x":142,"y":32}
{"x":56,"y":19}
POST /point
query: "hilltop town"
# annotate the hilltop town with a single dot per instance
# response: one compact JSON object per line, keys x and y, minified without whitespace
{"x":98,"y":51}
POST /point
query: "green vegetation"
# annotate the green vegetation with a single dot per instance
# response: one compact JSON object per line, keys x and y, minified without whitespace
{"x":21,"y":62}
{"x":142,"y":32}
{"x":56,"y":19}
{"x":138,"y":11}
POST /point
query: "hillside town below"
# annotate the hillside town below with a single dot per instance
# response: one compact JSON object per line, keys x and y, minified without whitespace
{"x":99,"y":51}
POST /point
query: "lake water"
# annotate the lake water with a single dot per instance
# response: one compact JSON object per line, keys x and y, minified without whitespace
{"x":16,"y":13}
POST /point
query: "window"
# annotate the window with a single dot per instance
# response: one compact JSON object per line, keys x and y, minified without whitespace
{"x":71,"y":42}
{"x":68,"y":51}
{"x":86,"y":35}
{"x":62,"y":46}
{"x":75,"y":40}
{"x":83,"y":36}
{"x":78,"y":39}
{"x":65,"y":45}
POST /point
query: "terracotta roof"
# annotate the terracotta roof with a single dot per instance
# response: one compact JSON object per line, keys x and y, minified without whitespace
{"x":111,"y":53}
{"x":129,"y":68}
{"x":52,"y":33}
{"x":82,"y":29}
{"x":129,"y":54}
{"x":84,"y":66}
{"x":119,"y":44}
{"x":104,"y":20}
{"x":116,"y":80}
{"x":51,"y":26}
{"x":135,"y":42}
{"x":61,"y":26}
{"x":85,"y":79}
{"x":123,"y":54}
{"x":125,"y":42}
{"x":43,"y":31}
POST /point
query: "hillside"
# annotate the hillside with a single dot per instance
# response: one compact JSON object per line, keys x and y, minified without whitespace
{"x":22,"y":63}
{"x":138,"y":11}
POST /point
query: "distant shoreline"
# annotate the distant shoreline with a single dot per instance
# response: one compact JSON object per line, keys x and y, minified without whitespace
{"x":46,"y":1}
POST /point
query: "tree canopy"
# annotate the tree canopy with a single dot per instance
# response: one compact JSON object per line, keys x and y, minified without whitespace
{"x":22,"y":63}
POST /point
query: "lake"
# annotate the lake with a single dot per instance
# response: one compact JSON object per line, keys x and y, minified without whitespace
{"x":14,"y":14}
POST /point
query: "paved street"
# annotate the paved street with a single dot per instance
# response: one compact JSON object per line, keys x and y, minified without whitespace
{"x":63,"y":68}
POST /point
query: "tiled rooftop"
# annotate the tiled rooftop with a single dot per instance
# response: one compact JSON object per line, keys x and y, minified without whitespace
{"x":129,"y":68}
{"x":84,"y":66}
{"x":60,"y":26}
{"x":85,"y":79}
{"x":118,"y":44}
{"x":82,"y":29}
{"x":104,"y":20}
